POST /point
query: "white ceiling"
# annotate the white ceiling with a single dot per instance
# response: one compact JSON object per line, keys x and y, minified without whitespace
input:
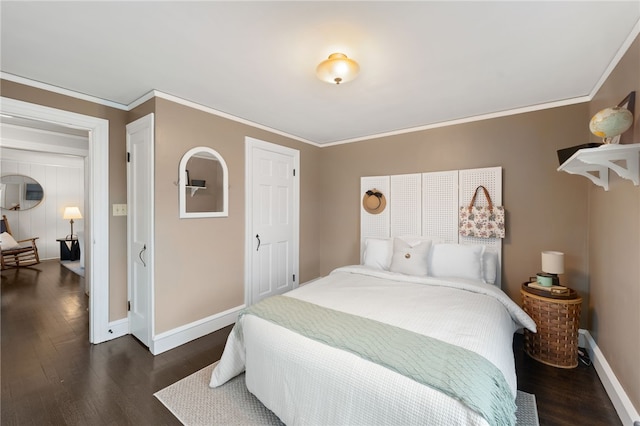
{"x":422,"y":63}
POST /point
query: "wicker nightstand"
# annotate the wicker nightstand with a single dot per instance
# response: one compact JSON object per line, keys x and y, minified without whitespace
{"x":557,"y":319}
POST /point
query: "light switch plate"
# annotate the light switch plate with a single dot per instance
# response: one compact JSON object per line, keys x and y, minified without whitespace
{"x":119,"y":209}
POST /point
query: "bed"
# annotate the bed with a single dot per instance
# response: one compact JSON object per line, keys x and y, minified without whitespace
{"x":422,"y":336}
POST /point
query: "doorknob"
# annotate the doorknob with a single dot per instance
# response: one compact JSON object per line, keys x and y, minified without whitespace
{"x":140,"y":255}
{"x":258,"y":238}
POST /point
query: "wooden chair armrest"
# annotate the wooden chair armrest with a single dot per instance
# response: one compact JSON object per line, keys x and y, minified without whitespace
{"x":28,"y":239}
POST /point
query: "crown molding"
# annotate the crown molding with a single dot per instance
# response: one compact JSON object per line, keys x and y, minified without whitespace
{"x":194,"y":105}
{"x":614,"y":62}
{"x":464,"y":120}
{"x":209,"y":110}
{"x":60,"y":90}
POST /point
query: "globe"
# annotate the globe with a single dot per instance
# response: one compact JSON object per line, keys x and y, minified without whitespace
{"x":610,"y":122}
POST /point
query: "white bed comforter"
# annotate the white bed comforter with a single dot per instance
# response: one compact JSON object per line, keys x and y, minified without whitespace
{"x":306,"y":382}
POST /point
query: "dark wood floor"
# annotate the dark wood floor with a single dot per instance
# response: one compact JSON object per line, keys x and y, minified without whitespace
{"x":51,"y":375}
{"x":564,"y":396}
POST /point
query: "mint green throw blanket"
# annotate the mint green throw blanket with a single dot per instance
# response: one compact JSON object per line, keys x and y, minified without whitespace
{"x":458,"y":372}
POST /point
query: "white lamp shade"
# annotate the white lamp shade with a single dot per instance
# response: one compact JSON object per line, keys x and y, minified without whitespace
{"x":553,"y":262}
{"x":72,"y":213}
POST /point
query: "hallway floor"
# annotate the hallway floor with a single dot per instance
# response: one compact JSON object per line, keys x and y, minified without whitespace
{"x":52,"y":375}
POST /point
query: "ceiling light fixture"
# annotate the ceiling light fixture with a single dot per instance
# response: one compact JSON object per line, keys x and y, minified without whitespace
{"x":337,"y":69}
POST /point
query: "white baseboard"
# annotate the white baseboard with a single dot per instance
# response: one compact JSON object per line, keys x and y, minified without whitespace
{"x":118,"y":328}
{"x":310,"y":281}
{"x":625,"y":409}
{"x":179,"y":336}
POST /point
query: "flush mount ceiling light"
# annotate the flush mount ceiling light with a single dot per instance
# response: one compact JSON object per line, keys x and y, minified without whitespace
{"x":337,"y":69}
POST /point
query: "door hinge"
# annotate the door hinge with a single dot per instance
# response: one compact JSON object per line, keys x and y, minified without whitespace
{"x":294,"y":172}
{"x":294,"y":278}
{"x":128,"y":305}
{"x":128,"y":157}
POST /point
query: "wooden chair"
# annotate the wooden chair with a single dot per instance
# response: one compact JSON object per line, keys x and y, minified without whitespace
{"x":25,"y":255}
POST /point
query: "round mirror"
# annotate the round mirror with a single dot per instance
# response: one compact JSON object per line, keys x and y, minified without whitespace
{"x":19,"y":192}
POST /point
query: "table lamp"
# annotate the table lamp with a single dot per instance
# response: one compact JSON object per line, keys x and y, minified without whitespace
{"x":71,"y":213}
{"x":552,"y":265}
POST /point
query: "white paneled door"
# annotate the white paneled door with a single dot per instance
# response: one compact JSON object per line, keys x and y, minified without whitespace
{"x":140,"y":226}
{"x":272,"y":203}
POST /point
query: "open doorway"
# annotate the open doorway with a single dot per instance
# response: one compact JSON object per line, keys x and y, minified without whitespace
{"x":51,"y":159}
{"x":97,"y":202}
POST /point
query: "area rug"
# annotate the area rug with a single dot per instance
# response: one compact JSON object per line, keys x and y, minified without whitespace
{"x":73,"y":266}
{"x":194,"y":403}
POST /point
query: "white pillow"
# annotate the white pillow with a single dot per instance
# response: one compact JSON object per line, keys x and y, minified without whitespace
{"x":410,"y":260}
{"x":7,"y":242}
{"x":490,"y":266}
{"x":377,"y":253}
{"x":457,"y":261}
{"x":413,"y":240}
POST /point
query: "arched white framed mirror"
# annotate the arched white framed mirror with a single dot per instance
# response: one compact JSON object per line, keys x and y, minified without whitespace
{"x":203,"y":184}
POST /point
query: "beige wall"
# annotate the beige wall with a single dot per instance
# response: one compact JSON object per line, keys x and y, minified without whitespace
{"x":546,"y":210}
{"x":614,"y":246}
{"x":199,"y":263}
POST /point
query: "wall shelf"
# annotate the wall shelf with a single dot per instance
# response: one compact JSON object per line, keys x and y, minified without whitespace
{"x":194,"y":189}
{"x":594,"y":163}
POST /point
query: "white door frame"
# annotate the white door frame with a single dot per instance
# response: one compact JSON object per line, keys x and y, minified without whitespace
{"x":250,"y":143}
{"x":98,"y":215}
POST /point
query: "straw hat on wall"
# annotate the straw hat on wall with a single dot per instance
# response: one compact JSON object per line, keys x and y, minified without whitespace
{"x":374,"y":201}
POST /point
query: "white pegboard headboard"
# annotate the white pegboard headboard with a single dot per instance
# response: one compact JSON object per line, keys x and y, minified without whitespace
{"x":375,"y":225}
{"x":490,"y":178}
{"x":440,"y":205}
{"x":405,"y":209}
{"x":427,"y":204}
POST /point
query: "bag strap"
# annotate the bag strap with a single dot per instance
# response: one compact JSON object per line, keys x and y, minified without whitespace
{"x":486,"y":194}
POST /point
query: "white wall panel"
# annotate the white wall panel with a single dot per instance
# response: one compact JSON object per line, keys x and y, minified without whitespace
{"x":490,"y":178}
{"x":374,"y":225}
{"x":404,"y":211}
{"x":440,"y":205}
